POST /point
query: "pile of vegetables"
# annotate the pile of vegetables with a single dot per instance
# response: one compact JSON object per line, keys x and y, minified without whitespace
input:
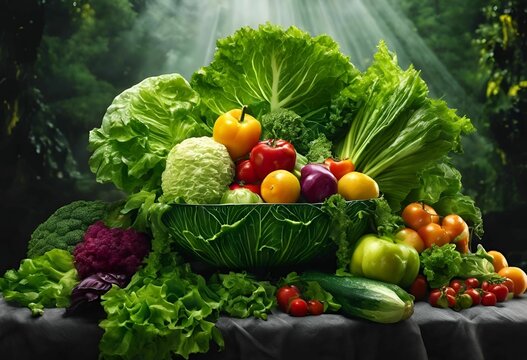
{"x":289,"y":151}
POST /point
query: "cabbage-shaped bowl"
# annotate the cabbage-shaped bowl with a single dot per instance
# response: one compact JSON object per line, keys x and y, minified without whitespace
{"x":251,"y":236}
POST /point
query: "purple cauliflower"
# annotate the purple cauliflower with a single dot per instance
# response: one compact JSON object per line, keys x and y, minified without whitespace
{"x":110,"y":250}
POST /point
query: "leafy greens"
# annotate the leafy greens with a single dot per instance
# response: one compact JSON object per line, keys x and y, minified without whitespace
{"x":397,"y":130}
{"x":270,"y":68}
{"x":44,"y":281}
{"x":140,"y":127}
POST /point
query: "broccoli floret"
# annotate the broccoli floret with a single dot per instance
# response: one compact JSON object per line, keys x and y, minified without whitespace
{"x":319,"y":149}
{"x":287,"y":125}
{"x":65,"y":227}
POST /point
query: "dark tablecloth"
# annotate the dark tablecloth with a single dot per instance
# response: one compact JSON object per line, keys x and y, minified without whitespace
{"x":477,"y":333}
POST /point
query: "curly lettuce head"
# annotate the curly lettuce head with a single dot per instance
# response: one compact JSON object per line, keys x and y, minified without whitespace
{"x":198,"y":171}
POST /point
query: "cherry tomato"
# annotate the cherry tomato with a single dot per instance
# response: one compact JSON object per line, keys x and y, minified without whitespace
{"x":475,"y":294}
{"x":238,"y":131}
{"x":410,"y":237}
{"x":416,"y":215}
{"x":435,"y":298}
{"x":488,"y":299}
{"x":284,"y":295}
{"x":339,"y":168}
{"x":298,"y":307}
{"x":419,"y":287}
{"x":451,"y":299}
{"x":245,"y":172}
{"x":433,"y":233}
{"x":449,"y":290}
{"x":500,"y":291}
{"x":457,"y":285}
{"x":472,"y":283}
{"x":273,"y":154}
{"x":454,"y":225}
{"x":485,"y":285}
{"x":280,"y":186}
{"x":463,"y":301}
{"x":315,"y":307}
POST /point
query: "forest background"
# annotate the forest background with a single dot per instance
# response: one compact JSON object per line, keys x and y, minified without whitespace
{"x":63,"y":61}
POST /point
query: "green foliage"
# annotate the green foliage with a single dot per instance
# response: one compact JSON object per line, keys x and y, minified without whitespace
{"x":165,"y":310}
{"x":502,"y":40}
{"x":277,"y":69}
{"x":243,"y":296}
{"x":139,"y":129}
{"x":65,"y":227}
{"x":398,"y":130}
{"x":45,"y":281}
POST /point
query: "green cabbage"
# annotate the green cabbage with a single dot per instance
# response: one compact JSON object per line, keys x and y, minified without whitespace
{"x":243,"y":236}
{"x":198,"y":171}
{"x":270,"y":68}
{"x":138,"y":130}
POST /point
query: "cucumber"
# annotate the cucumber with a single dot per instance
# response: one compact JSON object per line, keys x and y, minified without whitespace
{"x":366,"y":298}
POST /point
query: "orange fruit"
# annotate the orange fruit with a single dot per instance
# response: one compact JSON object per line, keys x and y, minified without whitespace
{"x":518,"y":277}
{"x":499,"y":261}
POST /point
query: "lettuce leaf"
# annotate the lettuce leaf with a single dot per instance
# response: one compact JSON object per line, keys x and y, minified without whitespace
{"x":397,"y":130}
{"x":166,"y":309}
{"x":140,"y":127}
{"x":270,"y":68}
{"x":44,"y":281}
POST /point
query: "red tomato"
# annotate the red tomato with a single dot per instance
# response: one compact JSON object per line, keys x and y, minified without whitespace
{"x":245,"y":172}
{"x":500,"y":291}
{"x":416,"y":215}
{"x":315,"y":307}
{"x":451,"y":299}
{"x":472,"y":283}
{"x":419,"y":287}
{"x":339,"y":168}
{"x":284,"y":295}
{"x":270,"y":155}
{"x":488,"y":299}
{"x":298,"y":307}
{"x":436,"y":298}
{"x":433,"y":233}
{"x":485,"y":285}
{"x":457,"y":285}
{"x":475,"y":295}
{"x":449,"y":290}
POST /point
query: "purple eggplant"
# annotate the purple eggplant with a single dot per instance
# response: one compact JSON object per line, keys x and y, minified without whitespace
{"x":317,"y":183}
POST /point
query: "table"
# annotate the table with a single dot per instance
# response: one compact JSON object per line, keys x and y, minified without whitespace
{"x":476,"y":333}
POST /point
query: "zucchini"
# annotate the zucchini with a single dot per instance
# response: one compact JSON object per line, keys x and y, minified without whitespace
{"x":366,"y":298}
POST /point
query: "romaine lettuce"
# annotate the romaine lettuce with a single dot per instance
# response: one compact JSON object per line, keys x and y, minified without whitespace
{"x":397,"y":130}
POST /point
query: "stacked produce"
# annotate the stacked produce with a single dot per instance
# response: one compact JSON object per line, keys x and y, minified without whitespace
{"x":277,"y":152}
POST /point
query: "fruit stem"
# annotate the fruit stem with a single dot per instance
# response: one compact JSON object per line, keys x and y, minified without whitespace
{"x":242,"y":116}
